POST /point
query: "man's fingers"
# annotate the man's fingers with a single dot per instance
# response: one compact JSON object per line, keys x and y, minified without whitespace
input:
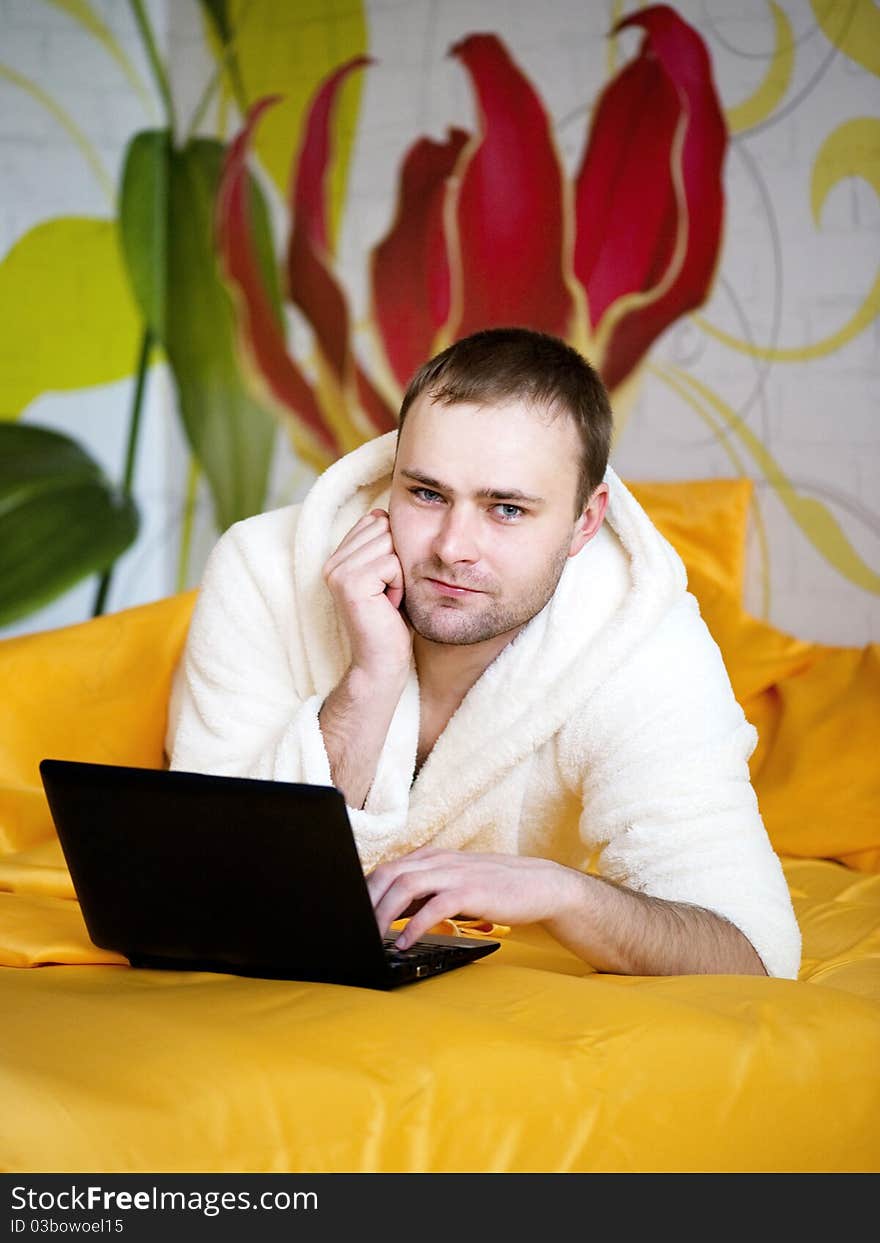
{"x":361,"y":533}
{"x":365,"y":527}
{"x":360,"y":555}
{"x":369,"y":580}
{"x":400,"y":894}
{"x":423,"y":887}
{"x":394,"y":590}
{"x":368,"y":522}
{"x":365,"y":572}
{"x":383,"y":876}
{"x":440,"y":906}
{"x":414,"y":906}
{"x":426,"y":885}
{"x":365,"y":579}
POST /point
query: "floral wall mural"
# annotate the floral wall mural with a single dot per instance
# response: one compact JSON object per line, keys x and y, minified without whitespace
{"x":488,"y":230}
{"x":260,"y":217}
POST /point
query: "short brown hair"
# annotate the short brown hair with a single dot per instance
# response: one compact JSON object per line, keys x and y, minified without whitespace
{"x":500,"y":364}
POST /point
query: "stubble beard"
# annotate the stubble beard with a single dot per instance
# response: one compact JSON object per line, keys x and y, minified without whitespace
{"x":446,"y":621}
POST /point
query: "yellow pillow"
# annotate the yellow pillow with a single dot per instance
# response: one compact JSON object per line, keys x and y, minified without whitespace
{"x":816,"y":707}
{"x":96,"y":691}
{"x":705,"y":520}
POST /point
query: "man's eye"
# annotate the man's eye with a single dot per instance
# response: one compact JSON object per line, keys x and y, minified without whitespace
{"x":508,"y":512}
{"x":425,"y":494}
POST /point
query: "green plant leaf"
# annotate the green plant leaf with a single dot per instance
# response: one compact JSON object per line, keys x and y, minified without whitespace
{"x":144,"y":223}
{"x":167,"y":228}
{"x":60,"y":518}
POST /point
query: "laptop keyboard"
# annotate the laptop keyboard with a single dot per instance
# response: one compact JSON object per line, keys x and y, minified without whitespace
{"x":426,"y":957}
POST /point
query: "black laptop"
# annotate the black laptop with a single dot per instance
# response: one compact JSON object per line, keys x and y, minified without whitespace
{"x":203,"y":873}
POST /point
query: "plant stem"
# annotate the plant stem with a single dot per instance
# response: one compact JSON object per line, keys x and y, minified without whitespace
{"x":130,"y":452}
{"x":226,"y":58}
{"x":223,"y":45}
{"x":189,"y":507}
{"x":140,"y":17}
{"x":223,"y":66}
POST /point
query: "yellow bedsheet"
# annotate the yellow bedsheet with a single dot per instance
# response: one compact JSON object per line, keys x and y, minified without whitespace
{"x":522,"y":1062}
{"x":526,"y":1061}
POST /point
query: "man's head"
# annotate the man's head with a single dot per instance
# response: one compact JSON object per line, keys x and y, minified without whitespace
{"x":503,"y":444}
{"x":498,"y":365}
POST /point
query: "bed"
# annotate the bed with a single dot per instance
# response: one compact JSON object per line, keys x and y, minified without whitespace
{"x":527,"y":1061}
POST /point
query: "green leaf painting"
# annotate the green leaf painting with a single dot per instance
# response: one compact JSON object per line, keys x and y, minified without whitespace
{"x":166,"y":225}
{"x":60,"y":518}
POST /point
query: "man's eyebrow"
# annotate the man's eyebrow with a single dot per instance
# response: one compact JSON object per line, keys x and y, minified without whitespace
{"x":491,"y":494}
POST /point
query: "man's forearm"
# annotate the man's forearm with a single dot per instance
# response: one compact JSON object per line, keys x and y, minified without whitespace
{"x":618,"y":930}
{"x":354,"y":720}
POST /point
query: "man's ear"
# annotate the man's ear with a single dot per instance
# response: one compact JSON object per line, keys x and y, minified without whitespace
{"x":590,"y":519}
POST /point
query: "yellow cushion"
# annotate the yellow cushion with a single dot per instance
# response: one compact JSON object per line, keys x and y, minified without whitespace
{"x":97,"y":691}
{"x":815,"y":770}
{"x":816,"y":707}
{"x":705,"y":520}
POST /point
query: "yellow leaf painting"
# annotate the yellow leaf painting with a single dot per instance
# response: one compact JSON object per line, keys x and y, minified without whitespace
{"x":68,"y":317}
{"x":288,"y":49}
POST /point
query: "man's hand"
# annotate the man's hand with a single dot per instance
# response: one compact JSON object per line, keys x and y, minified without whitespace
{"x":365,"y":578}
{"x":505,"y":889}
{"x":607,"y":925}
{"x":366,"y":581}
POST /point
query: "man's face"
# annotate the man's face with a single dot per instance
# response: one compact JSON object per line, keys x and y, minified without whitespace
{"x":481,"y":509}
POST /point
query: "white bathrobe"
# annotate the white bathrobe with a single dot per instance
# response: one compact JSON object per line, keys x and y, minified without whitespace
{"x":606,"y":734}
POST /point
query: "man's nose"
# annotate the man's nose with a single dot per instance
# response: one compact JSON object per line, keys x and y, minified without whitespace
{"x":456,"y":537}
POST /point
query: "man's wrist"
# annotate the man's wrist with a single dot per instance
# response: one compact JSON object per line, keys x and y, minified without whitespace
{"x":574,"y":918}
{"x":570,"y":898}
{"x":354,"y":720}
{"x":366,"y":685}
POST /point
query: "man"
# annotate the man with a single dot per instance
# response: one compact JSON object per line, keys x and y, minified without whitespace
{"x":472,"y":629}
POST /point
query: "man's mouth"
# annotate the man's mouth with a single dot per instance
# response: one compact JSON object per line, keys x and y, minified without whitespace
{"x":452,"y":589}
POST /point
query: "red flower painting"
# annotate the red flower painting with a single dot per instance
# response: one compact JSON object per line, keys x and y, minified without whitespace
{"x":490,"y":230}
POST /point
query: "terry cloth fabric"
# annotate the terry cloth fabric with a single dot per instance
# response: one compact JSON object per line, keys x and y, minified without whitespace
{"x":605,"y":736}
